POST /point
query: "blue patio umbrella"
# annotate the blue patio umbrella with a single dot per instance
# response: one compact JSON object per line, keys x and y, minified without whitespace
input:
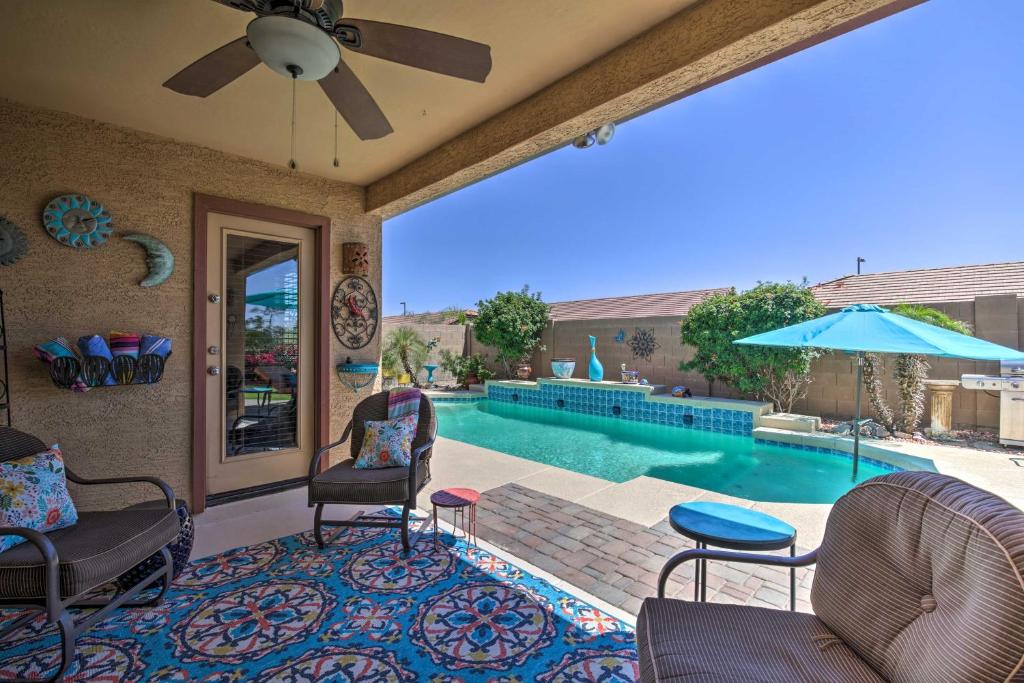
{"x":282,"y":299}
{"x":866,"y":328}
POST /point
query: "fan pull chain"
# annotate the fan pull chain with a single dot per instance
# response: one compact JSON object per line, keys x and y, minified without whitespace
{"x":291,"y":161}
{"x":336,"y":162}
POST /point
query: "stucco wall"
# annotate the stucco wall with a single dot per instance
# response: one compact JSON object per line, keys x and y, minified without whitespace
{"x":147,"y":184}
{"x":831,"y":394}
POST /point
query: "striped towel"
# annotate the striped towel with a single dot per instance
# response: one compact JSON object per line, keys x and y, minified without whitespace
{"x":61,"y":348}
{"x":156,"y":345}
{"x":403,"y":401}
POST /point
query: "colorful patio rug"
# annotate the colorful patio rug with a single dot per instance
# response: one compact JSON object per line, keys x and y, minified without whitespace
{"x":357,"y":611}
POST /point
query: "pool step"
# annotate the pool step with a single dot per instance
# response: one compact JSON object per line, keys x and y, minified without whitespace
{"x":791,"y":421}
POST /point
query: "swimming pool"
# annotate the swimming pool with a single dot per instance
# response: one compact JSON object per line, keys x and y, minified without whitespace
{"x":619,"y":450}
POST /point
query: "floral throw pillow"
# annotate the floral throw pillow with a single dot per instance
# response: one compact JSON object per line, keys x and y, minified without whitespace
{"x":34,"y":494}
{"x":387,"y":443}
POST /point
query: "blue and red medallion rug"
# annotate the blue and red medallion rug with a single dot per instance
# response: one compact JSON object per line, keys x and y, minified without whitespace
{"x":358,"y":611}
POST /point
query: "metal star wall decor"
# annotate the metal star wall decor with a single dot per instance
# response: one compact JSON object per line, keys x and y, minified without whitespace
{"x":643,"y":344}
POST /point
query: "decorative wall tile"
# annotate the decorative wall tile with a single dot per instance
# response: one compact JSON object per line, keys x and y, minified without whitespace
{"x":632,"y":405}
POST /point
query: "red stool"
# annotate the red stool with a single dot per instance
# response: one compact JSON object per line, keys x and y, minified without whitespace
{"x":457,"y":500}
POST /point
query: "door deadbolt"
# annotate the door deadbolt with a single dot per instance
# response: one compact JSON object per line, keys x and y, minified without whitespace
{"x":213,"y":350}
{"x":214,"y":298}
{"x":213,"y":370}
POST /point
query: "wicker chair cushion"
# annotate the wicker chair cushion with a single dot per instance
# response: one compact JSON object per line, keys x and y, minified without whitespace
{"x":920,"y":574}
{"x":343,"y":483}
{"x":706,"y":642}
{"x":101,"y":547}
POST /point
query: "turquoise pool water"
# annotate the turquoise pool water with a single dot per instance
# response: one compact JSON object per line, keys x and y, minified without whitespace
{"x":619,"y":450}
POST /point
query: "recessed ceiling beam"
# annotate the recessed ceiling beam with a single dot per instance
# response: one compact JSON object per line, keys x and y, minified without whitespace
{"x":700,"y":46}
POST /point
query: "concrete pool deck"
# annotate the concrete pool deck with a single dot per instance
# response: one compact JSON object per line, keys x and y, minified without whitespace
{"x":646,"y":500}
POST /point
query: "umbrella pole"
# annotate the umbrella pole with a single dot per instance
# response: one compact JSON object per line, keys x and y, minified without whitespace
{"x":856,"y":420}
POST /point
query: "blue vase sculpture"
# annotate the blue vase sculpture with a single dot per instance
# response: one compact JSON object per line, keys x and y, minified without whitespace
{"x":596,"y":370}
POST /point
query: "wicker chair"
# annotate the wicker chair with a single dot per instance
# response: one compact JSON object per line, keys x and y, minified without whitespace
{"x":53,"y":572}
{"x":344,"y":484}
{"x":918,"y":579}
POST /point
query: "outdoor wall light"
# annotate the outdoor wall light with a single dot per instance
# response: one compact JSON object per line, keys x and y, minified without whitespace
{"x":601,"y":136}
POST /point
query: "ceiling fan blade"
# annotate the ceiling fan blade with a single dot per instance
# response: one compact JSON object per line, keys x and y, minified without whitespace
{"x":212,"y":72}
{"x":355,"y":104}
{"x":420,"y":48}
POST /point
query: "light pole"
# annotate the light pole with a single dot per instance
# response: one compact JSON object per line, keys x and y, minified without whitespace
{"x":404,"y":313}
{"x":860,"y":260}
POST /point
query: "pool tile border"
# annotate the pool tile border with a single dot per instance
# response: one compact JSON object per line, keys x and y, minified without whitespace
{"x":634,"y":403}
{"x":457,"y":399}
{"x":887,"y":466}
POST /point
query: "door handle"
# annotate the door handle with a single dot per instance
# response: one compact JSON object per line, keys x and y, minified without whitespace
{"x":213,"y":370}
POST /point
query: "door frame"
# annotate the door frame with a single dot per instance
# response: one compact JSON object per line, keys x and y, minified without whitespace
{"x":203,"y":205}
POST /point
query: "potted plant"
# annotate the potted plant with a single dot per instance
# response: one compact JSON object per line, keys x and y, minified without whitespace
{"x":523,"y":369}
{"x":466,"y":369}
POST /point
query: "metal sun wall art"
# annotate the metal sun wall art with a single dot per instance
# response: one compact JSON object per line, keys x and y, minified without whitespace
{"x":643,"y":344}
{"x":76,"y":221}
{"x":13,"y":244}
{"x":159,"y":259}
{"x":354,"y":312}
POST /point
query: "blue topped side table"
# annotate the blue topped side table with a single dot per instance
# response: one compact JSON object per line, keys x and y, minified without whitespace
{"x":734,"y":528}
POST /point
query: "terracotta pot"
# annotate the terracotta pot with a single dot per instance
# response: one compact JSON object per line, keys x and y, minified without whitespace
{"x":472,"y":379}
{"x":523,"y":371}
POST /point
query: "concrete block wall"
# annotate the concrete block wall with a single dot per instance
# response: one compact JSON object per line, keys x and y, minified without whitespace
{"x":999,"y":319}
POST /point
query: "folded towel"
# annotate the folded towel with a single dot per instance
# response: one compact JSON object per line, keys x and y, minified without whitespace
{"x":61,"y":348}
{"x":96,"y":345}
{"x":156,"y":345}
{"x":124,"y":344}
{"x":403,"y":401}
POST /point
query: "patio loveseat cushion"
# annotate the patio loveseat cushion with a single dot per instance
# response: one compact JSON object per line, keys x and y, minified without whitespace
{"x":343,"y":483}
{"x":700,"y":642}
{"x":100,"y":546}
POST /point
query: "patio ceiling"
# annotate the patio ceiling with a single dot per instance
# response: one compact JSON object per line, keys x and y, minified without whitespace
{"x":107,"y":59}
{"x":559,"y":69}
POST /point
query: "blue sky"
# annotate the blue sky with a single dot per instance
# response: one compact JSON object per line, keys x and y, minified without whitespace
{"x":902,"y":142}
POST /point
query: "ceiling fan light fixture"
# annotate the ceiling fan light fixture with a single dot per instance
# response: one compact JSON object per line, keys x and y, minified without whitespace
{"x":293,"y":47}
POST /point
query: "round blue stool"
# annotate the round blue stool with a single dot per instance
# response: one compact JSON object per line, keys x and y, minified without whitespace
{"x":734,"y":528}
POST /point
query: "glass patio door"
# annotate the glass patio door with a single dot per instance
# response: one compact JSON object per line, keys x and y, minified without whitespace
{"x":260,"y":352}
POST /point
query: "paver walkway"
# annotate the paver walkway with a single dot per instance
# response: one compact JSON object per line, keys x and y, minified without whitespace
{"x":618,"y":560}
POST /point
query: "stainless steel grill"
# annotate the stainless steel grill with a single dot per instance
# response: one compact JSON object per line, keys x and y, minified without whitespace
{"x":1010,"y":385}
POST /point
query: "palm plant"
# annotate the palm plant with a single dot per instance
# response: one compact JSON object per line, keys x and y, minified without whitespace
{"x":404,"y":351}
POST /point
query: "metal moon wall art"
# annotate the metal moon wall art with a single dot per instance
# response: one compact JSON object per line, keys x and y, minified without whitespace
{"x":159,"y":259}
{"x":76,"y":221}
{"x":13,"y":244}
{"x":354,"y":312}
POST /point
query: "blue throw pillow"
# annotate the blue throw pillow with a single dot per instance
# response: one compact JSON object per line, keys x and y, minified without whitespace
{"x":34,"y":494}
{"x":387,"y":443}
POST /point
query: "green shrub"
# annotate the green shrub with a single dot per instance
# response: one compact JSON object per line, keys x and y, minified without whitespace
{"x":462,"y":367}
{"x":512,"y":323}
{"x":780,"y":375}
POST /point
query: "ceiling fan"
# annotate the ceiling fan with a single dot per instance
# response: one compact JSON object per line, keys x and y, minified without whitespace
{"x":300,"y":38}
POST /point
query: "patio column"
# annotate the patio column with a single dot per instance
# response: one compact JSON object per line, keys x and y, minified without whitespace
{"x":941,"y":392}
